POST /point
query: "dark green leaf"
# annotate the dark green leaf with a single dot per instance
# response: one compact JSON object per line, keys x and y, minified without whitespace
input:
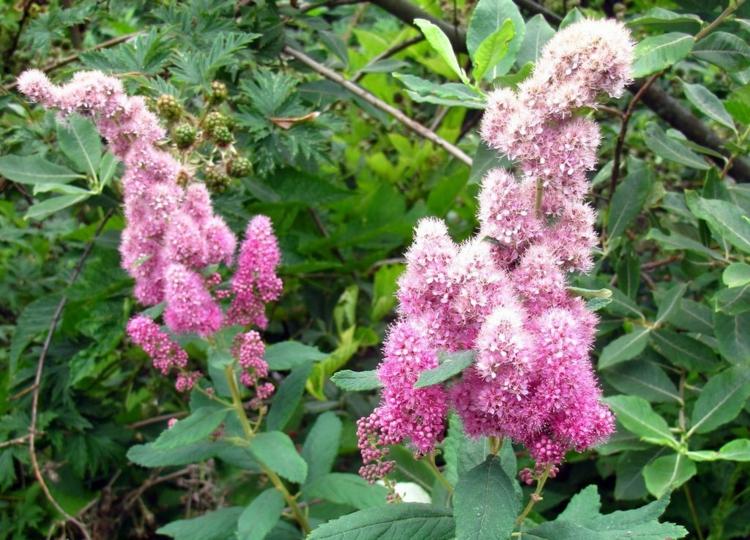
{"x":484,"y":161}
{"x":217,"y":525}
{"x":276,"y":451}
{"x":660,"y":52}
{"x":663,"y":146}
{"x":706,"y":102}
{"x":734,"y":300}
{"x":356,"y":381}
{"x":683,"y":351}
{"x":724,"y":50}
{"x":54,"y":204}
{"x":724,"y":218}
{"x":488,"y":16}
{"x":628,"y":200}
{"x":196,"y":427}
{"x":733,"y":336}
{"x":260,"y":516}
{"x":287,"y":397}
{"x":450,"y":364}
{"x":637,"y":416}
{"x":667,"y":473}
{"x":538,"y":32}
{"x":624,"y":347}
{"x":670,"y":302}
{"x":291,"y":354}
{"x":322,"y":445}
{"x":35,"y":170}
{"x":345,"y":488}
{"x":79,"y":141}
{"x":391,"y":522}
{"x":485,"y":502}
{"x":643,"y":378}
{"x":721,"y":399}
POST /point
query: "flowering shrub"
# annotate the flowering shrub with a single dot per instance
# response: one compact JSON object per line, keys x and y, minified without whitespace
{"x":514,"y":261}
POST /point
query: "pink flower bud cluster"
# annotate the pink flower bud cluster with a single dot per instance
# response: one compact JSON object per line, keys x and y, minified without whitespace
{"x":249,"y":350}
{"x":503,"y":294}
{"x":172,"y":235}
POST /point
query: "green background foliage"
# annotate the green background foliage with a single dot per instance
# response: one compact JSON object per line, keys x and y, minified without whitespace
{"x":344,"y":182}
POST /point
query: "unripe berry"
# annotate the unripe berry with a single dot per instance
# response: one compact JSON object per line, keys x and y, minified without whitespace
{"x":168,"y":107}
{"x":222,"y":136}
{"x":213,"y":121}
{"x":218,"y":91}
{"x":184,"y":135}
{"x":216,"y":180}
{"x":239,"y":167}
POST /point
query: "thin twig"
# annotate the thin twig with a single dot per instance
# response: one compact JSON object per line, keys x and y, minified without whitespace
{"x":387,"y":54}
{"x":534,"y":497}
{"x":357,"y":90}
{"x":330,"y":4}
{"x":625,"y":120}
{"x":661,"y":262}
{"x":17,"y":440}
{"x":38,"y":377}
{"x":73,"y":57}
{"x":157,"y":419}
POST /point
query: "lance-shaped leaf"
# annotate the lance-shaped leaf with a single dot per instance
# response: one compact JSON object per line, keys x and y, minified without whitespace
{"x":636,"y":414}
{"x":442,"y":45}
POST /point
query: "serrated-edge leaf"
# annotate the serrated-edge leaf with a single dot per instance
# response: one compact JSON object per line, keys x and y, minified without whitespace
{"x":452,"y":364}
{"x":356,"y":381}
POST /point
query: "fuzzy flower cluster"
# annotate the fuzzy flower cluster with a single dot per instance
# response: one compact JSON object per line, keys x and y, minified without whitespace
{"x":503,"y":294}
{"x":172,"y":235}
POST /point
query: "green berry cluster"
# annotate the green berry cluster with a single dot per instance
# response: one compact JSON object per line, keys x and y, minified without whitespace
{"x":219,"y":92}
{"x":216,"y":180}
{"x":239,"y":167}
{"x":168,"y":107}
{"x":184,"y":136}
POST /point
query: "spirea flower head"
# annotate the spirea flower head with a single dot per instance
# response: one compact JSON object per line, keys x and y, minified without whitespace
{"x":504,"y":293}
{"x":173,"y":237}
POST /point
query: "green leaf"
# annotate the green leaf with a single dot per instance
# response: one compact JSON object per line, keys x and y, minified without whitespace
{"x":54,"y":204}
{"x":492,"y":49}
{"x":461,"y":452}
{"x":147,"y":455}
{"x":488,"y":16}
{"x":645,"y":379}
{"x":450,"y":364}
{"x":393,"y":521}
{"x":670,"y":302}
{"x":636,"y":414}
{"x":287,"y":397}
{"x":538,"y":33}
{"x":733,"y":337}
{"x":442,"y":45}
{"x":683,"y":351}
{"x":659,"y":52}
{"x":385,"y":283}
{"x":738,"y":104}
{"x":451,"y":94}
{"x":276,"y":451}
{"x":663,"y":146}
{"x":721,"y":399}
{"x":724,"y":50}
{"x":346,"y":488}
{"x":724,"y":219}
{"x":35,"y":170}
{"x":80,"y":142}
{"x":737,"y":450}
{"x":322,"y":445}
{"x":624,"y":347}
{"x":196,"y":427}
{"x":677,"y":242}
{"x":667,"y":473}
{"x":706,"y":102}
{"x":356,"y":381}
{"x":572,"y":16}
{"x":661,"y":19}
{"x":291,"y":354}
{"x":693,"y":317}
{"x":585,"y":522}
{"x":218,"y":525}
{"x":484,"y":161}
{"x":34,"y":318}
{"x":485,"y":502}
{"x":736,"y":275}
{"x":628,"y":200}
{"x":261,"y":515}
{"x":734,"y":300}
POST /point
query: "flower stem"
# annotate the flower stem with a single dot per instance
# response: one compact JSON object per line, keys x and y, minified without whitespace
{"x":539,"y":197}
{"x":438,"y":473}
{"x":535,"y":497}
{"x":299,"y":516}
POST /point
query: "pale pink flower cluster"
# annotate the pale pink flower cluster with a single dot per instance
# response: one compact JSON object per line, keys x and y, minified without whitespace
{"x":503,"y":294}
{"x":172,"y":235}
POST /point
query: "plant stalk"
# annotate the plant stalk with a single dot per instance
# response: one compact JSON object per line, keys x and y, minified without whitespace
{"x":291,"y":501}
{"x":535,"y":497}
